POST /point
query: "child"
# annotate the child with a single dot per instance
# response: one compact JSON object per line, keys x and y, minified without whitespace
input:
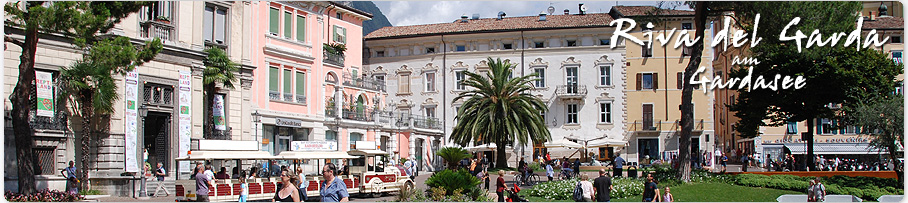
{"x":549,"y":171}
{"x":245,"y":186}
{"x":668,"y":196}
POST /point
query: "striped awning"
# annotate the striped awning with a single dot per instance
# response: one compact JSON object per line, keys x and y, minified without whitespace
{"x":833,"y":148}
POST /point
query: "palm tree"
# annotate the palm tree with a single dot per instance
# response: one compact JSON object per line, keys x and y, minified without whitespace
{"x":452,"y":155}
{"x":499,"y":109}
{"x":89,"y":85}
{"x":219,"y":69}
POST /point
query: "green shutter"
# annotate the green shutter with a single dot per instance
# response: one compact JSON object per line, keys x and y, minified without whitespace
{"x":300,"y":28}
{"x":300,"y":83}
{"x":275,"y":20}
{"x":344,"y":37}
{"x":335,"y":34}
{"x":287,"y":79}
{"x":273,"y":79}
{"x":288,"y":24}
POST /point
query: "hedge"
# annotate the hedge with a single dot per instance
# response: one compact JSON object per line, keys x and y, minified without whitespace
{"x":869,"y":188}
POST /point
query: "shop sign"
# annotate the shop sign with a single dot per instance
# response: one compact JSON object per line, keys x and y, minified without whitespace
{"x":288,"y":122}
{"x":313,"y":146}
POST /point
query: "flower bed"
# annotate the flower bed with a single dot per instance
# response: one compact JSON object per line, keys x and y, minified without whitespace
{"x":43,"y":196}
{"x":562,"y":190}
{"x":868,"y":188}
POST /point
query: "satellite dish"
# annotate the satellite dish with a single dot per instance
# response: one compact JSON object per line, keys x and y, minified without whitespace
{"x":551,"y":10}
{"x":583,"y":8}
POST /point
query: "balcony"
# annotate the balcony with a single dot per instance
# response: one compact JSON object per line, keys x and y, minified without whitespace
{"x":301,"y":99}
{"x":152,"y":29}
{"x":288,"y":97}
{"x":330,"y":112}
{"x":274,"y":96}
{"x":363,"y":82}
{"x":219,"y":134}
{"x":364,"y":114}
{"x":334,"y":59}
{"x":570,"y":91}
{"x":58,"y":122}
{"x":648,"y":125}
{"x":426,"y":122}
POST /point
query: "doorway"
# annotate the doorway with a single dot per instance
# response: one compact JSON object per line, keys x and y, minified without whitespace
{"x":647,"y":150}
{"x":419,"y":152}
{"x":156,"y":138}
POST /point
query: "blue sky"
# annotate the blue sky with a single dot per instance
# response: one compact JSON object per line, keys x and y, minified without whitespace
{"x":402,"y":13}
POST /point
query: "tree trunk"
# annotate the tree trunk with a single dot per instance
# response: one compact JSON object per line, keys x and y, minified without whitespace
{"x":87,"y":115}
{"x":209,"y":111}
{"x":687,"y":116}
{"x":21,"y":106}
{"x":809,"y":138}
{"x":894,"y":159}
{"x":501,"y":158}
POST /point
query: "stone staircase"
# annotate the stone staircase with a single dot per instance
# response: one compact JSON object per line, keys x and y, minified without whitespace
{"x":151,"y":185}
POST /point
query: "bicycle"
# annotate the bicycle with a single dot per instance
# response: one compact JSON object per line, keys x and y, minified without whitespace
{"x":530,"y":181}
{"x":564,"y":175}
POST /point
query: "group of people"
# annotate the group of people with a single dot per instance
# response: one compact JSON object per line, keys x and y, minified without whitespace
{"x":599,"y":190}
{"x":292,"y":188}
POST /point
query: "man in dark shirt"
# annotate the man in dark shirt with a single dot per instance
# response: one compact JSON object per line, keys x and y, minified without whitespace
{"x":619,"y":166}
{"x":201,"y":185}
{"x":603,"y":186}
{"x":650,"y":190}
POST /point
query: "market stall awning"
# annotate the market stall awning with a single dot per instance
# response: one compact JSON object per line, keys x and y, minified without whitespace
{"x":562,"y":143}
{"x":486,"y":148}
{"x":606,"y":143}
{"x":833,"y":148}
{"x":226,"y":155}
{"x":315,"y":155}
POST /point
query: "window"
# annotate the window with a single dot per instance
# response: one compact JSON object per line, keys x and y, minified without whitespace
{"x":430,"y":50}
{"x":686,"y":50}
{"x":159,"y":8}
{"x":605,"y":75}
{"x":380,"y":54}
{"x":538,"y":44}
{"x":897,"y":56}
{"x":681,"y":81}
{"x":461,"y":48}
{"x":404,"y":84}
{"x":300,"y":85}
{"x":275,"y":21}
{"x":572,"y":43}
{"x":288,"y":24}
{"x":340,"y":34}
{"x":46,"y":160}
{"x":430,"y":82}
{"x":215,"y":24}
{"x":330,"y":135}
{"x":571,"y":114}
{"x":274,"y":79}
{"x":687,"y":26}
{"x":300,"y":28}
{"x":460,"y":77}
{"x":896,"y":39}
{"x":648,"y":123}
{"x":647,"y":81}
{"x":508,"y":46}
{"x":825,"y":126}
{"x":340,"y":16}
{"x":605,"y":41}
{"x":355,"y":137}
{"x":605,"y":112}
{"x":430,"y":112}
{"x":647,"y":50}
{"x":287,"y":80}
{"x":540,"y":77}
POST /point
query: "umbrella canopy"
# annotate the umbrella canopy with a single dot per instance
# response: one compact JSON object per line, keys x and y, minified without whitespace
{"x":486,"y":148}
{"x":606,"y":143}
{"x":562,"y":143}
{"x":226,"y":155}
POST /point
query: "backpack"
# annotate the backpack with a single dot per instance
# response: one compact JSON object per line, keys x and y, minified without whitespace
{"x":578,"y":193}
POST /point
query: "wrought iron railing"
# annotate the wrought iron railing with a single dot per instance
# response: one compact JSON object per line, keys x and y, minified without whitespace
{"x":363,"y":114}
{"x":363,"y":82}
{"x":331,"y":112}
{"x":570,"y":90}
{"x":152,"y":29}
{"x":384,"y":117}
{"x":426,"y":122}
{"x":57,"y":122}
{"x":220,"y":134}
{"x":301,"y":99}
{"x":288,"y":97}
{"x":274,"y":95}
{"x":648,"y":125}
{"x":335,"y":59}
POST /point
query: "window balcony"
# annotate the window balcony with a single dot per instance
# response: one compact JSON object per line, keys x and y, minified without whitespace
{"x":647,"y":125}
{"x":364,"y":82}
{"x":288,"y":97}
{"x":570,"y":91}
{"x":334,"y":59}
{"x":426,"y":122}
{"x":363,"y":114}
{"x":330,"y":112}
{"x":274,"y":96}
{"x":58,"y":122}
{"x":301,"y":99}
{"x":159,"y":29}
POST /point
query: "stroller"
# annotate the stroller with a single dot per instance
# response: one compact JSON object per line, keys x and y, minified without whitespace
{"x":513,"y":196}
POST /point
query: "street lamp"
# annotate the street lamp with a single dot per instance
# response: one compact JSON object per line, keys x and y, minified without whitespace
{"x":256,"y":118}
{"x":143,"y":112}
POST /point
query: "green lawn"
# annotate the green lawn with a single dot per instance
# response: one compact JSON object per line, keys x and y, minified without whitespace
{"x":718,"y":192}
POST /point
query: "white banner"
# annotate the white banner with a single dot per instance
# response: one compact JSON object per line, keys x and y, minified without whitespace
{"x":132,"y":92}
{"x":45,"y":86}
{"x":313,"y":146}
{"x":185,"y":117}
{"x":218,"y":113}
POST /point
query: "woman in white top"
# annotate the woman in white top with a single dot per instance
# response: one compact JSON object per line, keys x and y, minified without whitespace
{"x":549,"y":171}
{"x":587,"y":186}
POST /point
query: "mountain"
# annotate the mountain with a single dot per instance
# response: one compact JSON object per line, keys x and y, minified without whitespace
{"x":378,"y":19}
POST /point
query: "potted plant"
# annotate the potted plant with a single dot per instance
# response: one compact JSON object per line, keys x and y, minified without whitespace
{"x":163,"y":19}
{"x":335,"y":48}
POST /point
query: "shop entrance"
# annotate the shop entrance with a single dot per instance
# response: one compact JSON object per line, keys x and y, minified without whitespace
{"x":156,"y":135}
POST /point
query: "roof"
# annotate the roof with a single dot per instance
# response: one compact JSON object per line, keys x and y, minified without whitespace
{"x":495,"y":25}
{"x":226,"y":155}
{"x":886,"y":22}
{"x":350,"y":8}
{"x":628,"y":11}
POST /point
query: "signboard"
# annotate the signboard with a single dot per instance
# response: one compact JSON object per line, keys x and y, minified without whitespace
{"x":228,"y":145}
{"x":313,"y":146}
{"x":218,"y":113}
{"x":45,"y":87}
{"x":286,"y":122}
{"x":365,"y":144}
{"x":185,"y":130}
{"x":131,"y":113}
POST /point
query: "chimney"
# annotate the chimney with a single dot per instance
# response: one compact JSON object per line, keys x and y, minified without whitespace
{"x":542,"y":16}
{"x":567,"y":11}
{"x":871,"y":16}
{"x":464,"y":18}
{"x":500,"y":15}
{"x":475,"y":16}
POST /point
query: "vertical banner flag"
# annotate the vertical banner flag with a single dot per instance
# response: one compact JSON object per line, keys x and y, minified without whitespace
{"x":132,"y":92}
{"x":185,"y":117}
{"x":218,"y":113}
{"x":45,"y":86}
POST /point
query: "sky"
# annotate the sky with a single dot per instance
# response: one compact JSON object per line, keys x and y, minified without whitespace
{"x":402,"y":13}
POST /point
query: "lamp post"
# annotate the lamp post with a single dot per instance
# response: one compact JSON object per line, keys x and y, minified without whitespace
{"x":143,"y":112}
{"x":256,"y":118}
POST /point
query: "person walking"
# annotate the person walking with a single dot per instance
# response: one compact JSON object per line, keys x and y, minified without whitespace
{"x":72,"y":182}
{"x":820,"y":191}
{"x":619,"y":166}
{"x":159,"y":174}
{"x":603,"y":186}
{"x":288,"y":191}
{"x":244,"y":188}
{"x":304,"y":184}
{"x":668,"y":195}
{"x":202,"y":183}
{"x":724,"y":162}
{"x":587,"y":187}
{"x":333,"y":188}
{"x":811,"y":191}
{"x":650,"y":190}
{"x":500,"y":186}
{"x":744,"y":163}
{"x":549,"y":171}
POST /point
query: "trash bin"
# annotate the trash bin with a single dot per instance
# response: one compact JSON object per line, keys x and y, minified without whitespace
{"x":632,"y":173}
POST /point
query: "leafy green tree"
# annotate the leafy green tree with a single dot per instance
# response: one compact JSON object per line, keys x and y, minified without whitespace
{"x":834,"y":75}
{"x":499,"y":109}
{"x":452,"y":155}
{"x":883,"y":118}
{"x":93,"y":89}
{"x":219,"y":70}
{"x":78,"y":20}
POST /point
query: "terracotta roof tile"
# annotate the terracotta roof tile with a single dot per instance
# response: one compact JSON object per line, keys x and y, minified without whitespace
{"x":627,"y":11}
{"x":888,"y":22}
{"x":493,"y":24}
